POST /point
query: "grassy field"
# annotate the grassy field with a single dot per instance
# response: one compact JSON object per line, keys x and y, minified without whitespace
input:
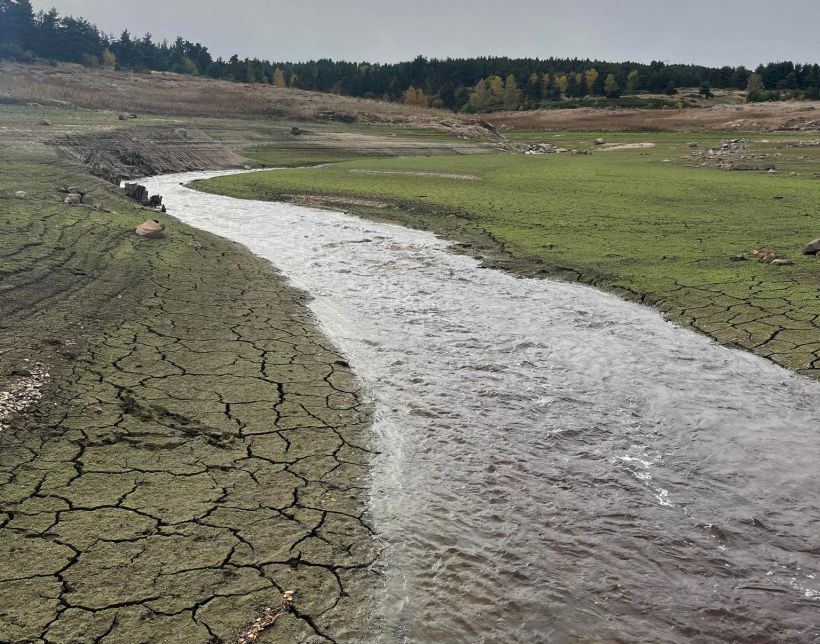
{"x":640,"y":222}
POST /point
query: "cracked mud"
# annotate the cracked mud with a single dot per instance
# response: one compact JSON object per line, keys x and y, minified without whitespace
{"x":199,"y":449}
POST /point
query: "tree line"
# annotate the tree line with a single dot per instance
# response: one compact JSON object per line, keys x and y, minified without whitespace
{"x":458,"y":84}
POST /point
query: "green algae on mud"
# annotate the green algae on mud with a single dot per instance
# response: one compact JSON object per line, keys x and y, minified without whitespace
{"x":641,"y":223}
{"x":200,"y":447}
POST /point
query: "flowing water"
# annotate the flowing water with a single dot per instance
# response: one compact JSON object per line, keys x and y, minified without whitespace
{"x":557,"y":465}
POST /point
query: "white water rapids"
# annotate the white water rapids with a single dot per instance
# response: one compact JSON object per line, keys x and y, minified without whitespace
{"x":557,"y":464}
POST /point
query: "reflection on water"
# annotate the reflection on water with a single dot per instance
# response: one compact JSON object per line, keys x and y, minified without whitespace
{"x":558,"y":465}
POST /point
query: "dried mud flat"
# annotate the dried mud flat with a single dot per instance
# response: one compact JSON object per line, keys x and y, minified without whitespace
{"x":802,"y":116}
{"x":198,"y":449}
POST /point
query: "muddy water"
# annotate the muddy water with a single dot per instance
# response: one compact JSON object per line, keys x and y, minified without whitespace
{"x":558,"y":465}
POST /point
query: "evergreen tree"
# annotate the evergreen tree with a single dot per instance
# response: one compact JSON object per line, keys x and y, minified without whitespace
{"x":534,"y":88}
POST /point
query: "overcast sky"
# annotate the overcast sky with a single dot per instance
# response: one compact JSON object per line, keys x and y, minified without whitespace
{"x":710,"y":32}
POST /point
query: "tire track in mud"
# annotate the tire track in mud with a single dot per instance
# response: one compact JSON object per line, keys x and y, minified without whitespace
{"x":201,"y":447}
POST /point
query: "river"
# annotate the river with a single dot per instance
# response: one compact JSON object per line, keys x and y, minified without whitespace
{"x":557,"y":465}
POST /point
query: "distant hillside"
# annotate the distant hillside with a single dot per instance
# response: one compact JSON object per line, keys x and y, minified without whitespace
{"x":184,"y":95}
{"x":469,"y":84}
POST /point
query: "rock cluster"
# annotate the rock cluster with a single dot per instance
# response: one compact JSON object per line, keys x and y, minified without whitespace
{"x":139,"y":194}
{"x":769,"y":257}
{"x":544,"y":148}
{"x":733,"y":155}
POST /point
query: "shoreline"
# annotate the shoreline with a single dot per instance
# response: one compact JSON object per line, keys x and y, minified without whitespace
{"x":709,"y":309}
{"x":186,"y":440}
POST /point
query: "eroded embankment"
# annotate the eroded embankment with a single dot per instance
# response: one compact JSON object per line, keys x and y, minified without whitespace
{"x":118,"y":153}
{"x":198,"y":448}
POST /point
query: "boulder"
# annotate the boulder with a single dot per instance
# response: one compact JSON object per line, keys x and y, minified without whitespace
{"x":123,"y":117}
{"x":151,"y":228}
{"x":599,"y":141}
{"x":181,"y":133}
{"x":782,"y":262}
{"x":812,"y":248}
{"x":45,"y":122}
{"x":20,"y":194}
{"x":73,"y":199}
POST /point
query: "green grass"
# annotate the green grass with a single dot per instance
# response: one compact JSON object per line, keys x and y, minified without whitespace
{"x":638,"y":222}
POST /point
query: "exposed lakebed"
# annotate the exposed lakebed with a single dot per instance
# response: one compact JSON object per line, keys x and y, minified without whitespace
{"x":556,"y":464}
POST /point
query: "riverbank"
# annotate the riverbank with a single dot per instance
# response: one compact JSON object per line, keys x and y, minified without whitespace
{"x":536,"y":434}
{"x":647,"y":223}
{"x":170,"y":414}
{"x":184,"y":444}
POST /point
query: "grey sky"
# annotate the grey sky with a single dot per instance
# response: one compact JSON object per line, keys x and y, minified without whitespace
{"x":710,"y":32}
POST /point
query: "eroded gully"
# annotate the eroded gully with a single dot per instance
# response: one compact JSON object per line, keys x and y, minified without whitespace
{"x":556,"y":464}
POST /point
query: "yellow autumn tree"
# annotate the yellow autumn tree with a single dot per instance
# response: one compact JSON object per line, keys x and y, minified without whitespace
{"x":632,"y":81}
{"x":590,"y":77}
{"x":496,"y":91}
{"x":109,"y":59}
{"x":611,"y":86}
{"x":478,"y":98}
{"x":409,"y":96}
{"x":413,"y":96}
{"x":561,"y":83}
{"x":278,"y":78}
{"x":512,"y":95}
